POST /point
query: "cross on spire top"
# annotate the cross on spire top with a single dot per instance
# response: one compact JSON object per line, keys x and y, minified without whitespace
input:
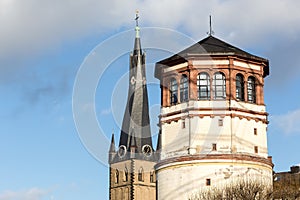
{"x":137,"y":17}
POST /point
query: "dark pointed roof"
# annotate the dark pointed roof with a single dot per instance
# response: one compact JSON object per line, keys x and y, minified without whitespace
{"x":210,"y":46}
{"x":112,"y":148}
{"x":158,"y":146}
{"x":136,"y":122}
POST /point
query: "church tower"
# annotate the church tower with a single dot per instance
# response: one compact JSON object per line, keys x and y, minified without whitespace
{"x":132,"y":175}
{"x":213,"y":119}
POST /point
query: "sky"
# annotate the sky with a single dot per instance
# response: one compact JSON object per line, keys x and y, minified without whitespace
{"x":63,"y":81}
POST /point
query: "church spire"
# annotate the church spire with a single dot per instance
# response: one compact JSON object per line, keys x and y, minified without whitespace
{"x":112,"y":148}
{"x":136,"y":121}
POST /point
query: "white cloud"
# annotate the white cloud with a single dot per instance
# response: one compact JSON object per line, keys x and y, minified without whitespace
{"x":288,"y":123}
{"x":105,"y":111}
{"x":31,"y":27}
{"x":30,"y":194}
{"x":28,"y":26}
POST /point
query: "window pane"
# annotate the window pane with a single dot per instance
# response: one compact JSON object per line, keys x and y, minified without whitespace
{"x":219,"y":86}
{"x":184,"y":88}
{"x":251,"y":90}
{"x":203,"y":84}
{"x":173,"y":91}
{"x":240,"y":87}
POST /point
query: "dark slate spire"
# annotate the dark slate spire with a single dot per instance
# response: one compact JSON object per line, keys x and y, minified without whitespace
{"x":112,"y":148}
{"x":136,"y":123}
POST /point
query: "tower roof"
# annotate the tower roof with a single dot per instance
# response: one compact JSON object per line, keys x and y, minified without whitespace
{"x":112,"y":148}
{"x":136,"y":122}
{"x":211,"y":46}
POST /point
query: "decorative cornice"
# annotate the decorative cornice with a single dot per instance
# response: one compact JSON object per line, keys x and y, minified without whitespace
{"x":212,"y":115}
{"x":230,"y":157}
{"x":214,"y":109}
{"x":175,"y":119}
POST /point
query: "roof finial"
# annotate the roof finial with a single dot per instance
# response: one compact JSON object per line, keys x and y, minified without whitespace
{"x":211,"y":32}
{"x":137,"y":28}
{"x":137,"y":17}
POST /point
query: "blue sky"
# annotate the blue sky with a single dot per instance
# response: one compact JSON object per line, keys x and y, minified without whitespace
{"x":46,"y":46}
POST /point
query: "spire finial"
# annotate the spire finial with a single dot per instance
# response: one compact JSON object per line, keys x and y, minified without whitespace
{"x":137,"y":18}
{"x":211,"y":32}
{"x":137,"y":28}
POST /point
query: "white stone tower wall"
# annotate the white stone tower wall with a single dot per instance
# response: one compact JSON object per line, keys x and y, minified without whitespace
{"x":194,"y":131}
{"x":181,"y":180}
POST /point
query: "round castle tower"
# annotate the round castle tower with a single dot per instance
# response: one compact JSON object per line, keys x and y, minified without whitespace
{"x":213,"y":119}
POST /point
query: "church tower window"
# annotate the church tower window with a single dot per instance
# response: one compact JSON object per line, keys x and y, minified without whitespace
{"x":251,"y":90}
{"x":152,"y":177}
{"x":173,"y":91}
{"x":117,"y":176}
{"x":126,"y":174}
{"x":203,"y":83}
{"x":141,"y":174}
{"x":184,"y":88}
{"x":240,"y":95}
{"x":219,"y":86}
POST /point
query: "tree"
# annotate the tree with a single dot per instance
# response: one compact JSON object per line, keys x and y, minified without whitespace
{"x":245,"y":189}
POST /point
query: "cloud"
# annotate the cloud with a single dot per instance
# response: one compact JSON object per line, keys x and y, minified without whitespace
{"x":36,"y":88}
{"x":288,"y":123}
{"x":30,"y":194}
{"x":33,"y":24}
{"x":32,"y":27}
{"x":105,"y":111}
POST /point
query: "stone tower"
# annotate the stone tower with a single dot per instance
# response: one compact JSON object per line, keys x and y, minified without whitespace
{"x":132,"y":175}
{"x":213,"y":119}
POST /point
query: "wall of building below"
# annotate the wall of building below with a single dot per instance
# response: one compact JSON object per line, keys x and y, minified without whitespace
{"x":198,"y":135}
{"x":183,"y":179}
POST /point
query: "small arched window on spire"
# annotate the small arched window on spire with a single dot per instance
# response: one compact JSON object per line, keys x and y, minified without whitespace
{"x":219,"y":86}
{"x":173,"y":91}
{"x":251,"y":88}
{"x":117,"y":176}
{"x":240,"y":94}
{"x":126,"y":174}
{"x":184,"y":88}
{"x":141,"y":174}
{"x":203,"y":84}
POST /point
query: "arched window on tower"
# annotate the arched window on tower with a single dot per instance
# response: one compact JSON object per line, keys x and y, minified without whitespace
{"x":184,"y":88}
{"x":240,"y":94}
{"x":203,"y":84}
{"x":173,"y":91}
{"x":141,"y":174}
{"x":219,"y":86}
{"x":126,"y":174}
{"x":152,"y":177}
{"x":251,"y":88}
{"x":117,"y":176}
